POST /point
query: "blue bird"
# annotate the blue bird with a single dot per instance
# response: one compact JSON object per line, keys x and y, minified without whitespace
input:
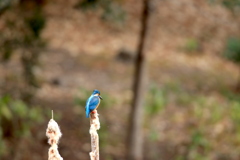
{"x":92,"y":102}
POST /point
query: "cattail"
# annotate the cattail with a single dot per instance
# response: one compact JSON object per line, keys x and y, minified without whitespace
{"x":94,"y":126}
{"x":54,"y":134}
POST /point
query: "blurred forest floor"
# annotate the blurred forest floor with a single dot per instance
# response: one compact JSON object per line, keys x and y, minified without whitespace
{"x":192,"y":110}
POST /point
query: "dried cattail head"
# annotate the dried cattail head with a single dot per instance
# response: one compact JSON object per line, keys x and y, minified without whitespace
{"x":53,"y":153}
{"x":54,"y":134}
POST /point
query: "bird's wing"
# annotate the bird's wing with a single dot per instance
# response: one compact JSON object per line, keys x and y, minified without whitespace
{"x":87,"y":110}
{"x":93,"y":103}
{"x":87,"y":103}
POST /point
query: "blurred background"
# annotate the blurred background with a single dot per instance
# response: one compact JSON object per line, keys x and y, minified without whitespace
{"x":53,"y":53}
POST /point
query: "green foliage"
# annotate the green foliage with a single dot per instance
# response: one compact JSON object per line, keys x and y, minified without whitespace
{"x":202,"y":104}
{"x":36,"y":23}
{"x":231,"y":4}
{"x":7,"y":50}
{"x":22,"y":36}
{"x":231,"y":96}
{"x":82,"y":98}
{"x":198,"y":140}
{"x":192,"y":45}
{"x":8,"y":46}
{"x":26,"y":35}
{"x":108,"y":101}
{"x":197,"y":156}
{"x":4,"y":4}
{"x":156,"y":100}
{"x":87,"y":4}
{"x":235,"y":113}
{"x":112,"y":11}
{"x":232,"y":51}
{"x":153,"y":135}
{"x":103,"y":135}
{"x":180,"y":157}
{"x":199,"y":146}
{"x":16,"y":119}
{"x":202,"y":116}
{"x":2,"y":143}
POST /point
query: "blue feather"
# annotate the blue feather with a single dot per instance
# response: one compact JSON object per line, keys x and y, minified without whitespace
{"x":91,"y":104}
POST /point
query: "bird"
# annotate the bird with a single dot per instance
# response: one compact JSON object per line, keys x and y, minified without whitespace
{"x":92,"y":102}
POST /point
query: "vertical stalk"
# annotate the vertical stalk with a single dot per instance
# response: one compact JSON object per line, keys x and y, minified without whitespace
{"x":94,"y":126}
{"x":134,"y":151}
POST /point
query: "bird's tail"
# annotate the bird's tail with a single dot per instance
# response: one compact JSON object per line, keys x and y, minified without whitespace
{"x":87,"y":113}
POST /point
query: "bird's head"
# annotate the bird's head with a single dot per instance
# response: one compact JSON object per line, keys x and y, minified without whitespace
{"x":96,"y":93}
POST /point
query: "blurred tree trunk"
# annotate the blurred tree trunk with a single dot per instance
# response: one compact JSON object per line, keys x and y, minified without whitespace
{"x":134,"y":143}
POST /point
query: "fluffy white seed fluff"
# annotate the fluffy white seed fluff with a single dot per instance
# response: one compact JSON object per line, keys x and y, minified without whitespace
{"x":54,"y":134}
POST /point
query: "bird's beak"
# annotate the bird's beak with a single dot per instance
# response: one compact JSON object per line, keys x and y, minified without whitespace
{"x":100,"y":97}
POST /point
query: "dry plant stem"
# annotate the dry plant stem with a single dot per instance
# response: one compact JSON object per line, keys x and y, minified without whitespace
{"x":54,"y":134}
{"x":94,"y":126}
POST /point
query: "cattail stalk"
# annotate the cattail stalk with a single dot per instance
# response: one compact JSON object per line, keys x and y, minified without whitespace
{"x":94,"y":126}
{"x":54,"y":134}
